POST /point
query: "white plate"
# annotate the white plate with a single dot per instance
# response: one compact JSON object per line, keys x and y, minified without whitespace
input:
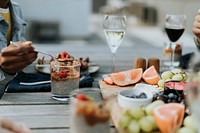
{"x":43,"y":68}
{"x":93,"y":68}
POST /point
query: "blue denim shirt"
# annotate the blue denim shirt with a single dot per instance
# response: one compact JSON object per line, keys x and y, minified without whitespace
{"x":18,"y":34}
{"x":18,"y":25}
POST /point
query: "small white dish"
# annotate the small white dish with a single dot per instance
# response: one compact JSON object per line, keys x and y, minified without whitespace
{"x":127,"y":102}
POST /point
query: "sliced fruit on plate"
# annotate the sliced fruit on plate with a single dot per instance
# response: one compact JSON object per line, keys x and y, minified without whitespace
{"x":151,"y":76}
{"x":108,"y":80}
{"x":169,"y":117}
{"x":127,"y":77}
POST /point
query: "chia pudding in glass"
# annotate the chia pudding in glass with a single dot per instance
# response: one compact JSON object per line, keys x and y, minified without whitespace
{"x":88,"y":115}
{"x":65,"y":75}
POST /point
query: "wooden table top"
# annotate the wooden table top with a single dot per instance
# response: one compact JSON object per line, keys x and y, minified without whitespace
{"x":43,"y":114}
{"x":38,"y":110}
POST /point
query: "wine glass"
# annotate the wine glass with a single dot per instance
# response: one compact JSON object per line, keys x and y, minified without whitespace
{"x":174,"y":27}
{"x":114,"y":29}
{"x":193,"y":97}
{"x":193,"y":90}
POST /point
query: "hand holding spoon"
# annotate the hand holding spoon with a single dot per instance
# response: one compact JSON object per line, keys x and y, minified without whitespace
{"x":42,"y":52}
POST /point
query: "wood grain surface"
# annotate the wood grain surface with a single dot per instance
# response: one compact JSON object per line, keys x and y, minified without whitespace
{"x":108,"y":90}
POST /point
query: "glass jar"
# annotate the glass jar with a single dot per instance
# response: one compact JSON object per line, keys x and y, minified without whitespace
{"x":65,"y":77}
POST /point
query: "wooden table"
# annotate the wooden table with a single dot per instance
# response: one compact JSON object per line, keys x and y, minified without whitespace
{"x":45,"y":115}
{"x":38,"y":110}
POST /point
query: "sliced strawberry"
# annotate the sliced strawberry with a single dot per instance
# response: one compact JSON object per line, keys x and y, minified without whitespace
{"x":82,"y":97}
{"x":66,"y":56}
{"x":62,"y":73}
{"x":62,"y":56}
{"x":65,"y":53}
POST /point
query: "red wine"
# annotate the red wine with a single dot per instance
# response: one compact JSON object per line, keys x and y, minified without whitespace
{"x":174,"y":34}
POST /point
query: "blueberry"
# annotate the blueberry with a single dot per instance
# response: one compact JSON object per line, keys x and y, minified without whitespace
{"x":137,"y":96}
{"x":171,"y":96}
{"x":128,"y":96}
{"x":142,"y":95}
{"x":160,"y":93}
{"x":133,"y":96}
{"x":164,"y":98}
{"x":175,"y":97}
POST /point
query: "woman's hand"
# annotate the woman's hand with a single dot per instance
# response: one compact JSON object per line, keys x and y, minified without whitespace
{"x":14,"y":59}
{"x":8,"y":126}
{"x":196,"y":26}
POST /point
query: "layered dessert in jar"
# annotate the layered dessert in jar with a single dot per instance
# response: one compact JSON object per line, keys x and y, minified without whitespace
{"x":65,"y":75}
{"x":88,"y":116}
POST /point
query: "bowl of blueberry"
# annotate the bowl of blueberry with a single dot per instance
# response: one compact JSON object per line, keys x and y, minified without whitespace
{"x":130,"y":98}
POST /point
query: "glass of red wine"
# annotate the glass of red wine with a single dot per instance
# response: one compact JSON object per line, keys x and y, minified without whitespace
{"x":174,"y":27}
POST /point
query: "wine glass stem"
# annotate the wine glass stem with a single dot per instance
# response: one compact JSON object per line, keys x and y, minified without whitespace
{"x":173,"y":45}
{"x":113,"y":62}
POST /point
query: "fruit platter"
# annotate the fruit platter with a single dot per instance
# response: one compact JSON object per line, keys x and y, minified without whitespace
{"x":149,"y":102}
{"x":43,"y":63}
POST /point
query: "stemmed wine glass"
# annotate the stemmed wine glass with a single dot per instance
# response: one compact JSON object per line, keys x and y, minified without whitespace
{"x":193,"y":97}
{"x":174,"y":27}
{"x":193,"y":90}
{"x":114,"y":29}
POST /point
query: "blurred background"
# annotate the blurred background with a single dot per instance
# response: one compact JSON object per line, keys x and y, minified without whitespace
{"x":60,"y":20}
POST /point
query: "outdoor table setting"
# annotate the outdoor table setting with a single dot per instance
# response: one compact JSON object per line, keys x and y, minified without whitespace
{"x":137,"y":93}
{"x":42,"y":113}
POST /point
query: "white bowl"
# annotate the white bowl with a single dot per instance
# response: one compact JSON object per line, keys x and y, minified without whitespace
{"x":146,"y":87}
{"x":127,"y":102}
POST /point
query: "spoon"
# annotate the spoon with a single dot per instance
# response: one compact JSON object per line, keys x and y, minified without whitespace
{"x":42,"y":52}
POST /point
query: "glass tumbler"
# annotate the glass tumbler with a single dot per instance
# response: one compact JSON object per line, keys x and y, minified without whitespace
{"x":65,"y":77}
{"x":88,"y":113}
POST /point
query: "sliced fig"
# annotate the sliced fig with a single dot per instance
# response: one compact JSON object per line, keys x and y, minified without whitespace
{"x":176,"y":87}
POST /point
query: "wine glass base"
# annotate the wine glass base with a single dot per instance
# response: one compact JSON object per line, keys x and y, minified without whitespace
{"x":168,"y":63}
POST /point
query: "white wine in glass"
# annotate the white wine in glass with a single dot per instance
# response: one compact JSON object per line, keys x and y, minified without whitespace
{"x":114,"y":29}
